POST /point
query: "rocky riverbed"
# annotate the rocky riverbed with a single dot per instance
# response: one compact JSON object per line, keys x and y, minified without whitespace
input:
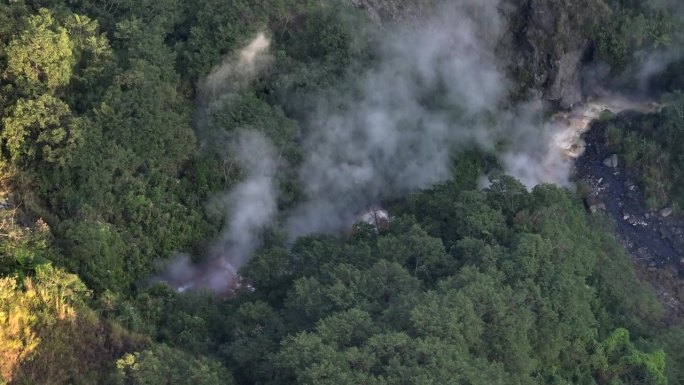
{"x":654,"y":238}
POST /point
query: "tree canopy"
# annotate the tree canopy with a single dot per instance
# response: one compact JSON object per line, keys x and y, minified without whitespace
{"x":111,"y":162}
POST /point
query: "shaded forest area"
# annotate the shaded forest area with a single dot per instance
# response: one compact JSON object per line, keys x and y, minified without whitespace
{"x":106,"y":173}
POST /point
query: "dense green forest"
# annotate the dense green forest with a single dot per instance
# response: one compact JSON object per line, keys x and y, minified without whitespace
{"x":111,"y":162}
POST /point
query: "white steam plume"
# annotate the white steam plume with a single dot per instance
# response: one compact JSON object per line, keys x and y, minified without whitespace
{"x":547,"y":153}
{"x":437,"y":86}
{"x":395,"y":131}
{"x":235,"y":72}
{"x":251,"y":205}
{"x":217,"y":89}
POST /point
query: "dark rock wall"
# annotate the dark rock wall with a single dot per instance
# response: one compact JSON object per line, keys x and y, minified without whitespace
{"x":551,"y":42}
{"x":383,"y":11}
{"x":547,"y":46}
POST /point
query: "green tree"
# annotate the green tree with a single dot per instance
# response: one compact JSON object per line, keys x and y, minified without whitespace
{"x":43,"y":129}
{"x":423,"y":255}
{"x":164,"y":365}
{"x":41,"y":58}
{"x":94,"y":63}
{"x":620,"y":362}
{"x":48,"y":334}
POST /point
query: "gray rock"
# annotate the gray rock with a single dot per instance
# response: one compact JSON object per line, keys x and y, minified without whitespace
{"x":566,"y":86}
{"x":598,"y":207}
{"x":550,"y":41}
{"x":611,"y":161}
{"x":666,"y":212}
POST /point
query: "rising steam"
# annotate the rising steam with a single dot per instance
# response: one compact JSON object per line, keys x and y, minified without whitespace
{"x":235,"y":72}
{"x":222,"y":84}
{"x":396,"y":128}
{"x":251,"y":205}
{"x":547,"y":153}
{"x":437,"y":86}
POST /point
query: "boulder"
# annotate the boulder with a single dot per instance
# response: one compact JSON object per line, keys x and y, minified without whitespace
{"x":611,"y":161}
{"x":666,"y":212}
{"x":597,"y":207}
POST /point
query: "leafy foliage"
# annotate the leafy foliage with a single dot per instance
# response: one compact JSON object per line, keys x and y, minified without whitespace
{"x":47,"y":333}
{"x":163,"y":365}
{"x":98,"y":101}
{"x":651,"y":146}
{"x":40,"y":59}
{"x":504,"y":306}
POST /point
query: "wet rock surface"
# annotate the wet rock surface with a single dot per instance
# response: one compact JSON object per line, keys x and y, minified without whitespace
{"x":653,"y":239}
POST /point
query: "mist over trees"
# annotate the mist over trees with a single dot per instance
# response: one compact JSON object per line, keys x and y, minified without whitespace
{"x":111,"y":163}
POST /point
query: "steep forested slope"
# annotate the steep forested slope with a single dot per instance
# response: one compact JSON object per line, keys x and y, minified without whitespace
{"x":112,"y":161}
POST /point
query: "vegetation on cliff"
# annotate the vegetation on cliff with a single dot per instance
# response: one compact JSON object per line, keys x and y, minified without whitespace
{"x":104,"y":176}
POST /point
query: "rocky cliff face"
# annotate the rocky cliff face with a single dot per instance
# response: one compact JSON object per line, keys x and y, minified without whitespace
{"x":383,"y":11}
{"x":545,"y":49}
{"x":551,"y":40}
